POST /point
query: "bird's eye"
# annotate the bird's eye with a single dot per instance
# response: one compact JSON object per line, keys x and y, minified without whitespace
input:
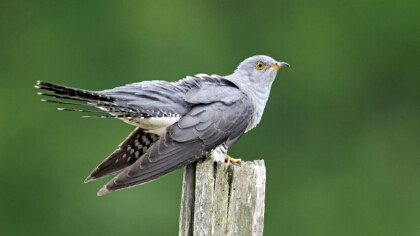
{"x":260,"y":65}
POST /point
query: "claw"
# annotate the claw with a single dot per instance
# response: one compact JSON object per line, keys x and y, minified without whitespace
{"x":230,"y":159}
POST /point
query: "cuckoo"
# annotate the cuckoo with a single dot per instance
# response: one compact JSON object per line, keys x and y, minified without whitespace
{"x":177,"y":122}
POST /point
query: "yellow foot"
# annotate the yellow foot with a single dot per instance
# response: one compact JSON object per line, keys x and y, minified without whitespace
{"x":230,"y":159}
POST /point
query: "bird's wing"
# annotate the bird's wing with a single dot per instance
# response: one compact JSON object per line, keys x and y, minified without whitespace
{"x":133,"y":147}
{"x":212,"y":121}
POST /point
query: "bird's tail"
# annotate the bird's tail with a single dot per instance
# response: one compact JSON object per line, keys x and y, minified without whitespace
{"x":133,"y":147}
{"x":85,"y":98}
{"x":71,"y":93}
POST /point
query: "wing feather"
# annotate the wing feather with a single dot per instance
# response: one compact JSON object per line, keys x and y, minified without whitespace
{"x":123,"y":157}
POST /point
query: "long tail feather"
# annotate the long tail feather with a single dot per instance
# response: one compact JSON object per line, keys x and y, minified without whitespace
{"x":114,"y":111}
{"x":73,"y":92}
{"x":74,"y":103}
{"x":98,"y":103}
{"x":87,"y":98}
{"x":76,"y":98}
{"x":111,"y":108}
{"x":118,"y":117}
{"x":64,"y":97}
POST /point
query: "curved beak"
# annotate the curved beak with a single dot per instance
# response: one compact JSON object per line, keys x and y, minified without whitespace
{"x":279,"y":65}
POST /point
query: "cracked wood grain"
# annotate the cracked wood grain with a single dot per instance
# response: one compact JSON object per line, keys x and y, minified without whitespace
{"x":218,"y":199}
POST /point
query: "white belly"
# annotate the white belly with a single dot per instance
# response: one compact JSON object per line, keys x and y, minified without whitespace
{"x":153,"y":125}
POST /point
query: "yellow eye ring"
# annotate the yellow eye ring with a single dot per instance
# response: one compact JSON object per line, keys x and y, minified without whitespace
{"x":260,"y":65}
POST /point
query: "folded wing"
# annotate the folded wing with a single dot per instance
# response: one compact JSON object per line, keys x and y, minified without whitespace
{"x":220,"y":114}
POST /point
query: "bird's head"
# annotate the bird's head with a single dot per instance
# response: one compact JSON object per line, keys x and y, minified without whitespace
{"x":259,"y":69}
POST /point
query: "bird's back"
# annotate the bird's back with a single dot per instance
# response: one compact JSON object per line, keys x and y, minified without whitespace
{"x":160,"y":103}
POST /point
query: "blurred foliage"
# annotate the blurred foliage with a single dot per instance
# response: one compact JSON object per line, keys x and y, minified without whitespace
{"x":340,"y":134}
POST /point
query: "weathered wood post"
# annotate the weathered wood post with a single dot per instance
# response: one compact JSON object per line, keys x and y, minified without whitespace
{"x":218,"y":199}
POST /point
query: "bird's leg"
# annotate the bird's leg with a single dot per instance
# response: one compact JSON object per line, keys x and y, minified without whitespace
{"x":230,"y":159}
{"x":219,"y":154}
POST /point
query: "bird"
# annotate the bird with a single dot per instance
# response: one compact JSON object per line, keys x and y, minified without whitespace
{"x":177,"y":123}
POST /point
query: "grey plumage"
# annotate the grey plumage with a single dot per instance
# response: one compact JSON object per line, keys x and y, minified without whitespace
{"x":177,"y":122}
{"x":202,"y":129}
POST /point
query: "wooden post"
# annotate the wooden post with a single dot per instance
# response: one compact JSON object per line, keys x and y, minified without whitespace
{"x":218,"y":199}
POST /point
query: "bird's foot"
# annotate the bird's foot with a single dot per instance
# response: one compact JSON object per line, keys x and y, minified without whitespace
{"x":230,"y":159}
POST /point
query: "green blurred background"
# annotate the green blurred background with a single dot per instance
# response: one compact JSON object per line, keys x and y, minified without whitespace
{"x":340,"y":135}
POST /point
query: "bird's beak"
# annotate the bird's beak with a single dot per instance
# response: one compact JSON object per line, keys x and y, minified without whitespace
{"x":279,"y":65}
